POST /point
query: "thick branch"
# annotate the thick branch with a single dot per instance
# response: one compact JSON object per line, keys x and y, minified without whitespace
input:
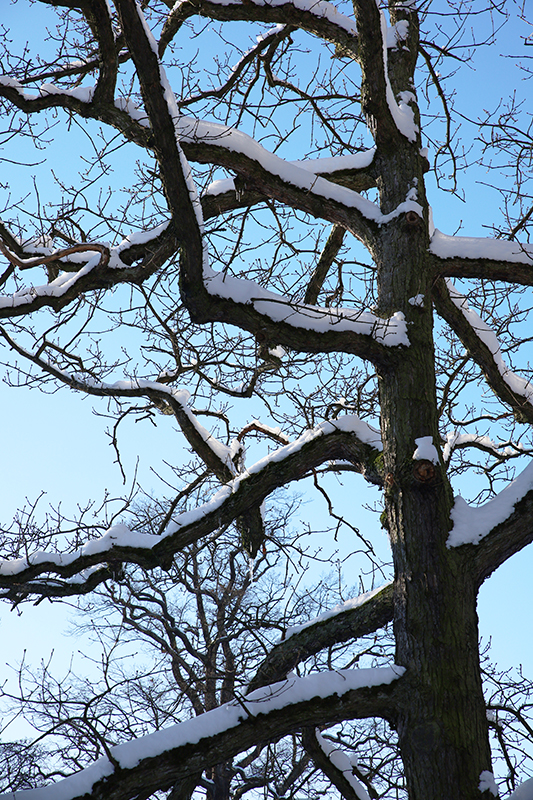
{"x":327,"y":257}
{"x":484,"y":357}
{"x":290,"y":463}
{"x":161,"y":760}
{"x":317,"y":19}
{"x":337,"y":777}
{"x":374,"y":80}
{"x":60,"y":293}
{"x":373,"y":613}
{"x":97,"y":14}
{"x":505,"y":540}
{"x":491,"y":259}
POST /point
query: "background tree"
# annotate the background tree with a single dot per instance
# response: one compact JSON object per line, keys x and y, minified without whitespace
{"x":271,"y":310}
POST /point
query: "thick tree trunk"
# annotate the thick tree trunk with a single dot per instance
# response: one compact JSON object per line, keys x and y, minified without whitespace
{"x":443,"y":732}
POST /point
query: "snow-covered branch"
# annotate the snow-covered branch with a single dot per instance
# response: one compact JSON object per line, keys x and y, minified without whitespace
{"x":482,"y":257}
{"x":482,"y":345}
{"x":499,"y":528}
{"x":386,"y":116}
{"x":346,"y":438}
{"x":501,"y":450}
{"x":334,"y":763}
{"x":319,"y":18}
{"x":164,"y":758}
{"x":86,"y":267}
{"x":364,"y":614}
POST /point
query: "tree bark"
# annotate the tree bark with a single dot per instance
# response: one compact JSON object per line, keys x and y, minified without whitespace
{"x":442,"y":729}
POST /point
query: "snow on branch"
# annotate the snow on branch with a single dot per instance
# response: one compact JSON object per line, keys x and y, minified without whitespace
{"x":401,"y":112}
{"x":86,"y":266}
{"x":482,"y":257}
{"x":340,"y":761}
{"x":161,"y":759}
{"x":317,"y":17}
{"x":358,"y":617}
{"x":485,"y":333}
{"x":471,"y":524}
{"x":480,"y":248}
{"x":347,"y":438}
{"x":523,"y":792}
{"x":502,"y":450}
{"x":483,"y":347}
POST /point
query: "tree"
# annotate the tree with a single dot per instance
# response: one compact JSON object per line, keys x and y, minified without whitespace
{"x":282,"y":320}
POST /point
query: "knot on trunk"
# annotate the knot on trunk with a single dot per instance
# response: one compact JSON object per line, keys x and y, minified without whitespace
{"x":424,"y":471}
{"x":412,"y":220}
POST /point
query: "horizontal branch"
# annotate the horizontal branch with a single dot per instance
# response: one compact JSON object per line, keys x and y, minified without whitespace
{"x":320,"y":18}
{"x":365,"y":614}
{"x":482,"y":257}
{"x":163,"y":759}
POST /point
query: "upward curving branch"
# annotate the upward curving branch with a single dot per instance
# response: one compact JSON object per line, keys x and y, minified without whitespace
{"x":364,"y":615}
{"x":346,"y":438}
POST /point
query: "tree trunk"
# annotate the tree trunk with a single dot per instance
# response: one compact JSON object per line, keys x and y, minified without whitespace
{"x":442,"y":728}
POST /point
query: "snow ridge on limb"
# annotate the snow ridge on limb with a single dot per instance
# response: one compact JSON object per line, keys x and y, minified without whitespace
{"x":225,"y":731}
{"x":480,"y":247}
{"x":483,"y":347}
{"x":82,"y":271}
{"x":347,"y":438}
{"x":386,"y":118}
{"x":472,"y":523}
{"x":319,"y":18}
{"x":334,"y":763}
{"x":365,"y":614}
{"x":502,"y":450}
{"x":498,"y":529}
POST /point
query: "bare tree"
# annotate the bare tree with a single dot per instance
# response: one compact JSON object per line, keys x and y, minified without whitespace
{"x":234,"y":267}
{"x":178,"y":644}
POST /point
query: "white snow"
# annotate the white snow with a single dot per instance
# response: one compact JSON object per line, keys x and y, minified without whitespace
{"x":487,"y":783}
{"x":417,"y":300}
{"x":523,"y":792}
{"x":455,"y":439}
{"x":319,"y":8}
{"x":292,"y":691}
{"x":391,"y":332}
{"x":402,"y":114}
{"x":425,"y":450}
{"x":471,"y":524}
{"x":316,"y":166}
{"x":335,"y":163}
{"x":341,"y":608}
{"x":480,"y":247}
{"x":397,"y":33}
{"x":340,"y":760}
{"x":83,"y":93}
{"x":55,"y":288}
{"x":517,"y":384}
